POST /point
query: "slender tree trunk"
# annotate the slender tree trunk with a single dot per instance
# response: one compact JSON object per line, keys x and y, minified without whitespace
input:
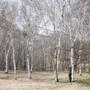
{"x":28,"y":60}
{"x":80,"y":70}
{"x":32,"y":66}
{"x":56,"y":76}
{"x":28,"y":67}
{"x":6,"y":61}
{"x":32,"y":59}
{"x":56,"y":73}
{"x":57,"y":63}
{"x":80,"y":66}
{"x":56,"y":68}
{"x":14,"y":62}
{"x":6,"y":68}
{"x":72,"y":63}
{"x":24,"y":63}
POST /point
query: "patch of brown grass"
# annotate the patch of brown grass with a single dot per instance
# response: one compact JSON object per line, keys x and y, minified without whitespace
{"x":42,"y":81}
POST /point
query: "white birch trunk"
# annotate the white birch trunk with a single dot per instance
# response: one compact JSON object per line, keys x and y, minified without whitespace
{"x":56,"y":74}
{"x":72,"y":64}
{"x":28,"y":61}
{"x":6,"y":61}
{"x":80,"y":70}
{"x":80,"y":66}
{"x":14,"y":62}
{"x":57,"y":63}
{"x":32,"y":63}
{"x":31,"y":68}
{"x":32,"y":58}
{"x":56,"y":68}
{"x":72,"y":53}
{"x":28,"y":67}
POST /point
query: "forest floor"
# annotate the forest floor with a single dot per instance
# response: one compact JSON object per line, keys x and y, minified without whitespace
{"x":43,"y":81}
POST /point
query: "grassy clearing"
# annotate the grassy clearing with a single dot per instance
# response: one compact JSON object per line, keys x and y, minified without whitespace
{"x":43,"y":80}
{"x":83,"y":81}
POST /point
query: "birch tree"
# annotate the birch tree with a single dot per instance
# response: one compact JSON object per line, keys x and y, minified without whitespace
{"x":12,"y":28}
{"x":50,"y":7}
{"x":29,"y":16}
{"x":83,"y":30}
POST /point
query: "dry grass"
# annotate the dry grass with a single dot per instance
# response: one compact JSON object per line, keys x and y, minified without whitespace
{"x":42,"y":81}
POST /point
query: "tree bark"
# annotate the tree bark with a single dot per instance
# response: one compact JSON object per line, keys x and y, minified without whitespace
{"x":56,"y":67}
{"x":28,"y":67}
{"x":6,"y":61}
{"x":32,"y":58}
{"x":14,"y":62}
{"x":80,"y":70}
{"x":80,"y":66}
{"x":56,"y":73}
{"x":57,"y":63}
{"x":72,"y":63}
{"x":6,"y":68}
